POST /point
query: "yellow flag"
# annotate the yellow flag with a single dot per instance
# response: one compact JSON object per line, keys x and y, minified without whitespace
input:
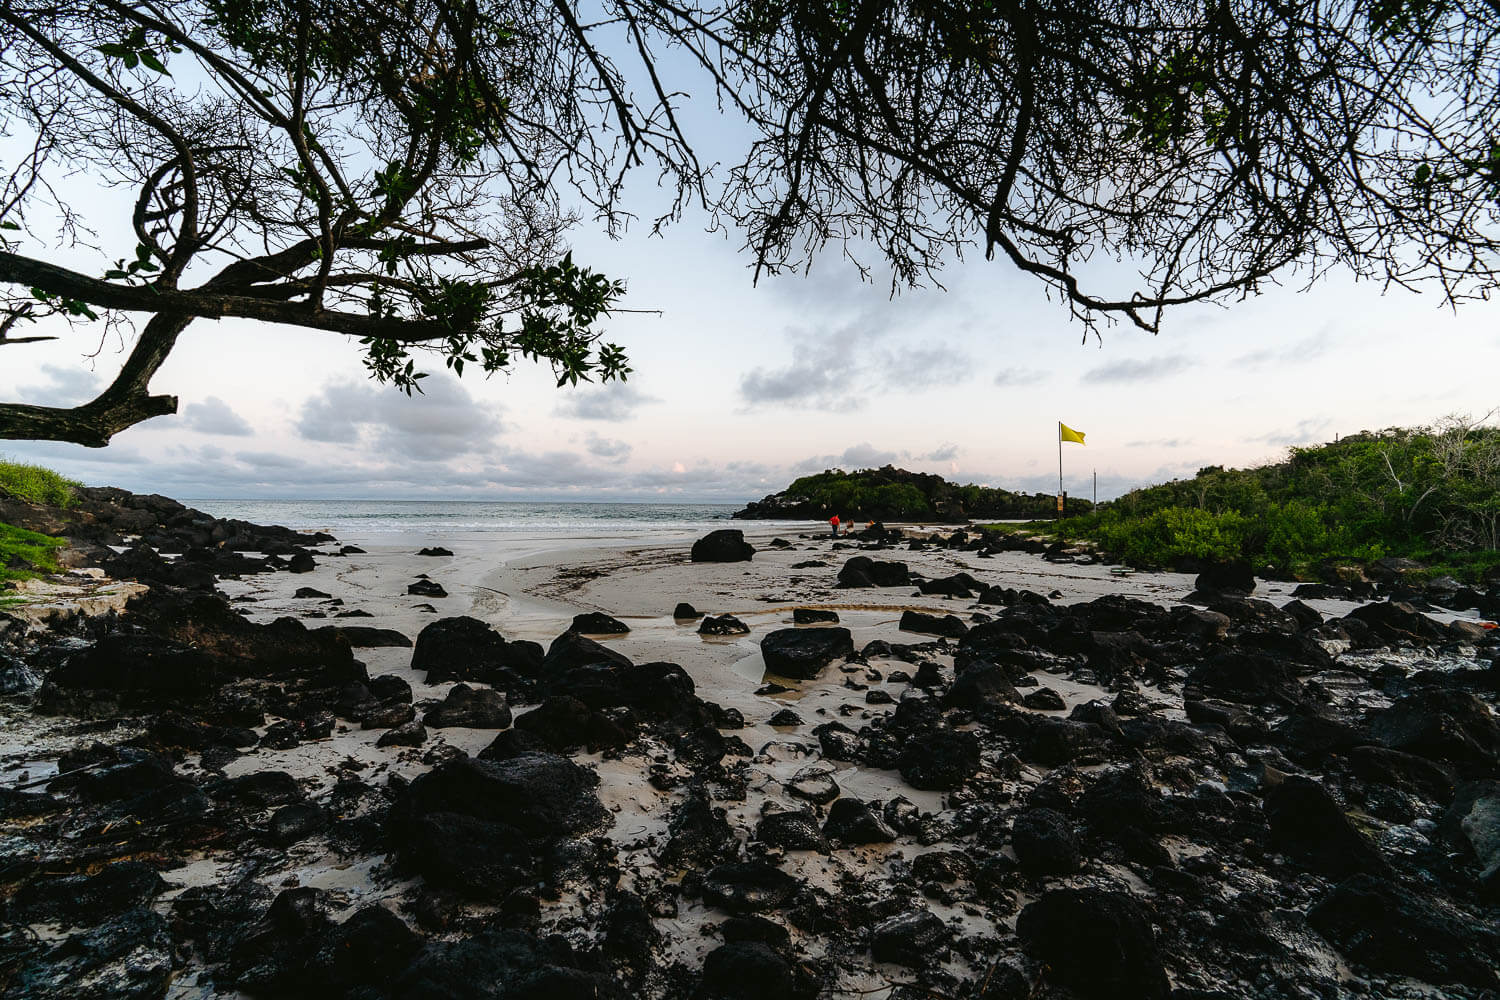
{"x":1066,"y":433}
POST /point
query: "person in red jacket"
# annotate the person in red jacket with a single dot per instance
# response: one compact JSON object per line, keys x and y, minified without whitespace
{"x":833,"y":522}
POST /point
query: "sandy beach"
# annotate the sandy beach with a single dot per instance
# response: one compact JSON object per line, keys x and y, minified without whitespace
{"x":530,"y":585}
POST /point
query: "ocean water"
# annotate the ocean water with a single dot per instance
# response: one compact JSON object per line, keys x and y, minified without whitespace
{"x":347,"y":519}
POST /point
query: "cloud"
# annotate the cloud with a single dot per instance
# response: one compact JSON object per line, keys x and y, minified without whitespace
{"x":65,"y":386}
{"x":612,"y":401}
{"x":1160,"y":443}
{"x":813,"y":379}
{"x":943,"y":453}
{"x":859,"y":456}
{"x":1138,"y":371}
{"x":441,"y":422}
{"x":1018,"y":376}
{"x":1306,"y":432}
{"x":606,"y":448}
{"x":1304,"y":350}
{"x":839,"y":369}
{"x":214,"y":416}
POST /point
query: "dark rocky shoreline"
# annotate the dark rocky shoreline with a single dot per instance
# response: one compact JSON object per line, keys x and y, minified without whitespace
{"x":1262,"y":800}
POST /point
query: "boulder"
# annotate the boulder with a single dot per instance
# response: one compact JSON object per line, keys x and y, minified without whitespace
{"x":435,"y":550}
{"x":365,"y":637}
{"x":862,"y":571}
{"x":470,"y":708}
{"x":467,"y":649}
{"x":915,"y":939}
{"x":1442,"y":725}
{"x":1310,"y":826}
{"x":792,"y":831}
{"x":814,"y":616}
{"x":1044,"y":842}
{"x":722,"y":625}
{"x":747,"y":970}
{"x":539,"y":794}
{"x":1232,"y":577}
{"x":981,"y":686}
{"x":686,"y":612}
{"x":742,"y":887}
{"x":598,"y":623}
{"x":950,"y":626}
{"x":1473,"y":821}
{"x":939,"y":759}
{"x":571,"y":650}
{"x":1394,"y":928}
{"x":851,"y":821}
{"x":724,"y":545}
{"x":1099,"y":944}
{"x":803,"y":652}
{"x":412,"y":734}
{"x":814,"y":783}
{"x":426,"y":588}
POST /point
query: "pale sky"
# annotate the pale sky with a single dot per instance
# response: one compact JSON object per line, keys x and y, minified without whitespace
{"x":738,"y":389}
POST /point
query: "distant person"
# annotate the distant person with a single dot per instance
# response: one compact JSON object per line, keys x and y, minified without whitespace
{"x":833,"y":522}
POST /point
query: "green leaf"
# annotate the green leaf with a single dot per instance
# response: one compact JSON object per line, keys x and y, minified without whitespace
{"x":149,"y":58}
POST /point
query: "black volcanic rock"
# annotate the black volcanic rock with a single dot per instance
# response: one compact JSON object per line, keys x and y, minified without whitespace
{"x":1309,"y":825}
{"x":915,"y":939}
{"x":950,"y":626}
{"x":1233,"y":577}
{"x":1392,"y":928}
{"x":862,"y":571}
{"x":1044,"y":842}
{"x":571,"y":650}
{"x":1454,"y":727}
{"x":724,"y":545}
{"x":426,"y":588}
{"x":1098,"y":944}
{"x":722,"y":625}
{"x":814,"y":616}
{"x":471,"y":708}
{"x":467,"y":649}
{"x":804,"y":652}
{"x":686,"y":612}
{"x":748,"y":887}
{"x":598,"y":623}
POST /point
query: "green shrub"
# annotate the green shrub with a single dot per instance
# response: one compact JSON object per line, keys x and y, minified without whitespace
{"x":35,"y":484}
{"x":1428,"y":493}
{"x":24,"y":554}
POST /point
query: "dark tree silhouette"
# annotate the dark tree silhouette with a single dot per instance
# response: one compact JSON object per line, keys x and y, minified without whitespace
{"x":398,"y":173}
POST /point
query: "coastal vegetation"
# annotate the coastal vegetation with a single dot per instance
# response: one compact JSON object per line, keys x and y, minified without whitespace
{"x":24,"y":554}
{"x":35,"y":484}
{"x":891,"y":494}
{"x":1431,"y":494}
{"x":416,"y":173}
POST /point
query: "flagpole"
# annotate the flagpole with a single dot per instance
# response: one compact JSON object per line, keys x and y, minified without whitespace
{"x":1059,"y":460}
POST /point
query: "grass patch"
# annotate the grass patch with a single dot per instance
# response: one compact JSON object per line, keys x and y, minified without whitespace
{"x":25,"y":554}
{"x":36,"y":484}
